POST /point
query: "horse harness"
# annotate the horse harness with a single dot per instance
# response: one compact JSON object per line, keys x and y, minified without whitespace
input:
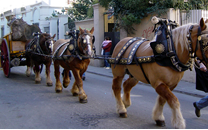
{"x":72,"y":47}
{"x":34,"y":45}
{"x":163,"y":49}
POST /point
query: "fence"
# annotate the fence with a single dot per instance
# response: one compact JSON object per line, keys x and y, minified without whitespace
{"x":193,"y":16}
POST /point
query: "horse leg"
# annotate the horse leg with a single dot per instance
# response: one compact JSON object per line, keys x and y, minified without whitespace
{"x":127,"y":86}
{"x":117,"y":81}
{"x":75,"y":90}
{"x":177,"y":118}
{"x":28,"y":71}
{"x":48,"y":77}
{"x":118,"y":75}
{"x":79,"y":83}
{"x":157,"y":113}
{"x":66,"y":79}
{"x":58,"y":87}
{"x":37,"y":74}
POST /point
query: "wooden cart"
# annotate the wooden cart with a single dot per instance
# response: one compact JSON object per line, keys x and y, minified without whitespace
{"x":12,"y":54}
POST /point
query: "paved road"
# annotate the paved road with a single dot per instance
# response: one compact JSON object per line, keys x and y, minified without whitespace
{"x":26,"y":105}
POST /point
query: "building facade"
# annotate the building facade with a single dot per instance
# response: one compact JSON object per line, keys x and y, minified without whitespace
{"x":49,"y":15}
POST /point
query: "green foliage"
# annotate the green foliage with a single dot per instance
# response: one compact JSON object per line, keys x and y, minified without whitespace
{"x":81,"y":10}
{"x":128,"y":12}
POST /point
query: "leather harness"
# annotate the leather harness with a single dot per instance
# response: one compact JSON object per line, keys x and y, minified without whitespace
{"x":163,"y":49}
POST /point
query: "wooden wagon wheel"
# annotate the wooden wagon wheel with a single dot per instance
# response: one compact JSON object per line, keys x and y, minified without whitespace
{"x":5,"y":57}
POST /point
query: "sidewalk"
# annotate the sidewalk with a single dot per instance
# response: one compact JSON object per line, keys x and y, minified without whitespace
{"x":183,"y":86}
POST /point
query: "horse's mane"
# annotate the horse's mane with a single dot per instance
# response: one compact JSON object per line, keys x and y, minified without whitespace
{"x":179,"y":36}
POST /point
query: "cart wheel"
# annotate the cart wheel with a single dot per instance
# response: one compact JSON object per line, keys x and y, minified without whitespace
{"x":5,"y":58}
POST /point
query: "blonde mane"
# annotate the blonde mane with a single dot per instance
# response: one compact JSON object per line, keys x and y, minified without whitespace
{"x":179,"y":36}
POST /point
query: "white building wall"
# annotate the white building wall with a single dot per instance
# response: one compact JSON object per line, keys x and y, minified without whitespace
{"x":53,"y":27}
{"x":62,"y":20}
{"x":37,"y":13}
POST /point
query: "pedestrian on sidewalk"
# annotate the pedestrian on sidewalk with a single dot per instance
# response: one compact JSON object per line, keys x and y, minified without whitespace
{"x":202,"y":85}
{"x":106,"y":45}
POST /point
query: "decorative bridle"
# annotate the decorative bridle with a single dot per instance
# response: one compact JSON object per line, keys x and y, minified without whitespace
{"x":169,"y":25}
{"x":36,"y":44}
{"x":73,"y":46}
{"x":83,"y":42}
{"x":203,"y":45}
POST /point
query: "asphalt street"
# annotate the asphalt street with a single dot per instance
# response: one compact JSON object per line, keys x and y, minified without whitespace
{"x":26,"y":105}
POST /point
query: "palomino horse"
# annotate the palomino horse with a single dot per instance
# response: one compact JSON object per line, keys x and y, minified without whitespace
{"x":38,"y":51}
{"x":152,"y":66}
{"x":78,"y":50}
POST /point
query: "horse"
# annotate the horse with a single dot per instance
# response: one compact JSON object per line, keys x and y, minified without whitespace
{"x":152,"y":65}
{"x":73,"y":54}
{"x":38,"y":52}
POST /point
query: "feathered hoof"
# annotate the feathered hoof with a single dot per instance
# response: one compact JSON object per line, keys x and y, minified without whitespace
{"x":123,"y":115}
{"x":49,"y":84}
{"x":160,"y":123}
{"x":83,"y":100}
{"x":75,"y":94}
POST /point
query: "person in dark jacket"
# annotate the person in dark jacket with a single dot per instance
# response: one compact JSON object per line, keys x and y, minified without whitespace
{"x":202,"y":85}
{"x":106,"y":45}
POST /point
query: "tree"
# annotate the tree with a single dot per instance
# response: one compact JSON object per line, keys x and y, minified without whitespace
{"x":81,"y":10}
{"x":128,"y":12}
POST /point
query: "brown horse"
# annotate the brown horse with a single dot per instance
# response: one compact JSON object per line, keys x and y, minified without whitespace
{"x":38,"y":51}
{"x":189,"y":41}
{"x":77,"y":50}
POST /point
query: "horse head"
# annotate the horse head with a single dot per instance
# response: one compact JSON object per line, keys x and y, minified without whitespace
{"x":202,"y":45}
{"x":86,"y":41}
{"x":191,"y":41}
{"x":46,"y":42}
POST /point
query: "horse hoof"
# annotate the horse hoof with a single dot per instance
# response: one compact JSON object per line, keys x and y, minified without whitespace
{"x":37,"y":82}
{"x":49,"y":84}
{"x":123,"y":115}
{"x":58,"y":91}
{"x":83,"y":100}
{"x":75,"y":94}
{"x":65,"y":86}
{"x":160,"y":123}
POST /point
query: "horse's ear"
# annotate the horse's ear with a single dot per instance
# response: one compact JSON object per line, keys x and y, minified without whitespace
{"x":92,"y":30}
{"x":80,"y":30}
{"x":206,"y":21}
{"x":202,"y":24}
{"x":54,"y":36}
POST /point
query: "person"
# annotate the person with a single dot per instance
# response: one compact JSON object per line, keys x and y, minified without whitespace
{"x":201,"y":84}
{"x":106,"y":45}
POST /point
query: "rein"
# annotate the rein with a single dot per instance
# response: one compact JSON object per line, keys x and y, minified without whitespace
{"x":73,"y":46}
{"x":36,"y":44}
{"x":170,"y":53}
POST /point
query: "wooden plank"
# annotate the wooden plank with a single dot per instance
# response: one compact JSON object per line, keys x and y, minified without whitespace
{"x":18,"y":46}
